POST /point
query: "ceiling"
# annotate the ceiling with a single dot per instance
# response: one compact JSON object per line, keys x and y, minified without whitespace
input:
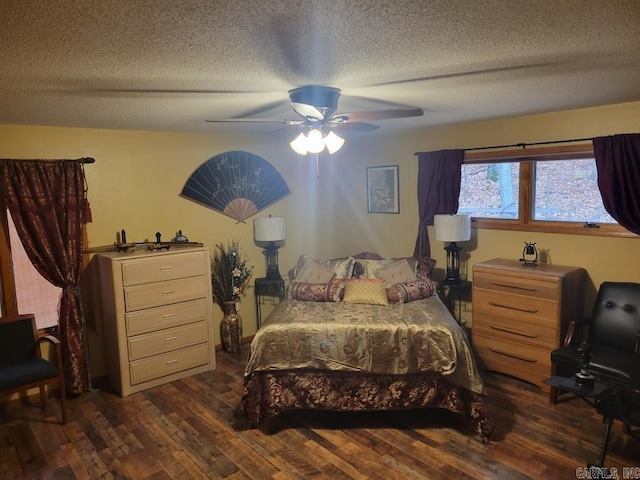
{"x":171,"y":64}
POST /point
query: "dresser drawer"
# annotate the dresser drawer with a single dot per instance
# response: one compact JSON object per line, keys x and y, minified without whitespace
{"x":165,"y":293}
{"x":143,"y":321}
{"x":527,"y":363}
{"x":533,"y":310}
{"x":530,"y":287}
{"x":515,"y":331}
{"x":160,"y":268}
{"x":164,"y":364}
{"x":166,"y":340}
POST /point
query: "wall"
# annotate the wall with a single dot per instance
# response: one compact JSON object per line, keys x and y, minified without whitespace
{"x":137,"y":177}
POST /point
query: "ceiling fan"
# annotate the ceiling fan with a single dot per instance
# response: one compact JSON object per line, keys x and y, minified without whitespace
{"x":316,"y":105}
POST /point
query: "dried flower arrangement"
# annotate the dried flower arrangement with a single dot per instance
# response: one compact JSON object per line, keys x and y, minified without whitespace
{"x":230,"y":274}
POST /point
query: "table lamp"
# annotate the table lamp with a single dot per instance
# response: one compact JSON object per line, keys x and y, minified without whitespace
{"x":270,"y":230}
{"x":452,"y":228}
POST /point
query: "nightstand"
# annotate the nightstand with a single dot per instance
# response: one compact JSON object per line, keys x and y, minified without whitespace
{"x":267,"y":287}
{"x":454,"y":294}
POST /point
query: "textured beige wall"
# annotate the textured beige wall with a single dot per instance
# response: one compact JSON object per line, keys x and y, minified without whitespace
{"x":137,"y":177}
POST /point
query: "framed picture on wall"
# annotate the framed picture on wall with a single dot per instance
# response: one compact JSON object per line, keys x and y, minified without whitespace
{"x":382,"y":189}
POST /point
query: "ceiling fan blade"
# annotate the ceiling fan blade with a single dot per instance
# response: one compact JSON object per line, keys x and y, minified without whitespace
{"x":169,"y":91}
{"x":353,"y":126}
{"x":256,"y":120}
{"x":377,"y":115}
{"x":445,"y":76}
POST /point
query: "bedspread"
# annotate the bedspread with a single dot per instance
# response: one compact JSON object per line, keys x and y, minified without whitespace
{"x":406,"y":338}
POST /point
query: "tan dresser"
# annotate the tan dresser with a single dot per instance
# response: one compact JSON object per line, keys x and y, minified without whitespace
{"x":157,"y":315}
{"x":521,"y":313}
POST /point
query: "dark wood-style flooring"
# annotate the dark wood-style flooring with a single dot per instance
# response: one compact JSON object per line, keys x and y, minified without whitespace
{"x":187,"y":429}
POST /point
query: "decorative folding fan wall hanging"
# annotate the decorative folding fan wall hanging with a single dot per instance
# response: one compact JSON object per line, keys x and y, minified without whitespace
{"x":237,"y":184}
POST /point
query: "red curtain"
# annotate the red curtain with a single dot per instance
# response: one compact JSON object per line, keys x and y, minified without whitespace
{"x":439,"y":177}
{"x":48,"y":203}
{"x":618,"y":163}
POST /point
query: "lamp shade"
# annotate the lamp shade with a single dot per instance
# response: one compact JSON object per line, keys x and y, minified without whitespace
{"x":299,"y":145}
{"x":452,"y":228}
{"x":333,"y":142}
{"x":269,"y":229}
{"x":315,"y":143}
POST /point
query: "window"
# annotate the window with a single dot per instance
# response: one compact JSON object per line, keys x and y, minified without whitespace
{"x":567,"y":191}
{"x":24,"y":290}
{"x":34,"y":294}
{"x":552,"y":189}
{"x":490,"y":190}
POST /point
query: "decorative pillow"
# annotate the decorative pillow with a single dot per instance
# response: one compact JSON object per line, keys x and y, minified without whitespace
{"x":313,"y":272}
{"x":398,"y":271}
{"x":421,"y":266}
{"x":367,"y":268}
{"x":424,"y":267}
{"x":369,"y":291}
{"x":342,"y":267}
{"x":317,"y":292}
{"x":409,"y":291}
{"x":368,"y":256}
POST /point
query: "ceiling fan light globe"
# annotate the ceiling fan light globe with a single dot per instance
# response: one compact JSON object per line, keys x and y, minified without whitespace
{"x":315,"y":142}
{"x":333,"y":142}
{"x":299,"y":145}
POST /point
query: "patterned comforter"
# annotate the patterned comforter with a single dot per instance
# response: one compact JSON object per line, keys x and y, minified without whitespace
{"x":338,"y":356}
{"x":414,"y":337}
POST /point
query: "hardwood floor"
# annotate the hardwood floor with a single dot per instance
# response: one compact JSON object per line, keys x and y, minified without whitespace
{"x":185,"y":430}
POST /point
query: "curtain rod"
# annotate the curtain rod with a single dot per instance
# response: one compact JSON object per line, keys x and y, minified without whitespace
{"x":524,"y":145}
{"x":87,"y":160}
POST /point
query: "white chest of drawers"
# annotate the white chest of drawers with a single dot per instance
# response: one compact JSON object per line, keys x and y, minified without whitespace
{"x":521,"y":313}
{"x":157,"y":315}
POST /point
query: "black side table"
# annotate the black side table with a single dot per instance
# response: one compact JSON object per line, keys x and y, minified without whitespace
{"x":454,"y":294}
{"x":266,"y":287}
{"x":602,"y":396}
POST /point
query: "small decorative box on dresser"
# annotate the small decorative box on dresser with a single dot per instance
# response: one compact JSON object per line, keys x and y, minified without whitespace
{"x":157,"y":315}
{"x":521,"y":313}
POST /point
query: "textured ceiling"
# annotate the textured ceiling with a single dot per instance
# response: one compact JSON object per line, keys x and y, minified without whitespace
{"x":171,"y":64}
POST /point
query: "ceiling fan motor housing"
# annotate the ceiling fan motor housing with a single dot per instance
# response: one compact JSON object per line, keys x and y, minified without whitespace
{"x":317,"y":96}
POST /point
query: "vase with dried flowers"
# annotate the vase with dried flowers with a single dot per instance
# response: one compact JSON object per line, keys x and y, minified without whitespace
{"x":230,"y":275}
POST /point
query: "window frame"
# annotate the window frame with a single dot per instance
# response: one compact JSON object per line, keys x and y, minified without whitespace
{"x":526,"y":157}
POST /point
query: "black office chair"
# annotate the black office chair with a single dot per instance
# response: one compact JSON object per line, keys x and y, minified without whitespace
{"x":611,"y":334}
{"x":606,"y":348}
{"x":21,"y":364}
{"x":624,"y":405}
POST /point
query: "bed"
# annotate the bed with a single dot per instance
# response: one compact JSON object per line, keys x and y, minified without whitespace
{"x":362,"y":333}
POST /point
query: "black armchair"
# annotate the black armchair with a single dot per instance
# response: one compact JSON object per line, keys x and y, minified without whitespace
{"x":21,"y":364}
{"x":612,"y":334}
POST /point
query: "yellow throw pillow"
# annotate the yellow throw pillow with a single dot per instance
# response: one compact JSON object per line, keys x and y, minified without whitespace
{"x":369,"y":291}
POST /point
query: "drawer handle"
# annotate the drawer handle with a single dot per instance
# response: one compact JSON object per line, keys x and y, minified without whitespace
{"x":164,"y":269}
{"x":170,"y":292}
{"x":513,"y":308}
{"x":500,"y":352}
{"x":171,"y":362}
{"x":168,"y":316}
{"x":529,"y":289}
{"x":515,"y":332}
{"x":170,"y":339}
